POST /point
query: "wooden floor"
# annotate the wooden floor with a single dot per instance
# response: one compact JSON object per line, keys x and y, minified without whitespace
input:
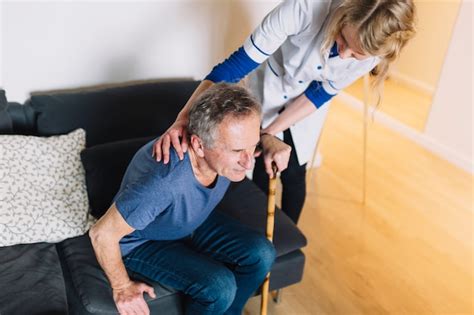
{"x":409,"y":105}
{"x":408,"y":250}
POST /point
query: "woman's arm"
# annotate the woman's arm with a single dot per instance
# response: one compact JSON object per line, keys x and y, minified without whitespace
{"x":299,"y":109}
{"x":275,"y":151}
{"x":161,"y":148}
{"x":288,"y":18}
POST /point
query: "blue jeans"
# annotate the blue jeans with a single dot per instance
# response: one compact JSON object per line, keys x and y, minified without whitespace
{"x":218,"y":267}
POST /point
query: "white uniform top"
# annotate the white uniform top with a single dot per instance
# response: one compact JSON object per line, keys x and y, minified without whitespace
{"x":288,"y":45}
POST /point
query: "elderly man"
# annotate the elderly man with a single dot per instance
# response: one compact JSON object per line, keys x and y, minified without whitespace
{"x":162,"y":223}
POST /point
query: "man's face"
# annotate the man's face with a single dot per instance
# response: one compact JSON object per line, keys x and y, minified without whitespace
{"x":234,"y":146}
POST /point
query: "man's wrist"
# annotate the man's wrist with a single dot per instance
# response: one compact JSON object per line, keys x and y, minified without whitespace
{"x":121,"y":286}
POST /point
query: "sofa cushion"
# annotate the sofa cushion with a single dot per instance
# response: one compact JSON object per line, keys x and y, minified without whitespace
{"x":105,"y":166}
{"x":112,"y":113}
{"x":248,"y":204}
{"x":91,"y":285}
{"x":31,"y":280}
{"x":43,"y":197}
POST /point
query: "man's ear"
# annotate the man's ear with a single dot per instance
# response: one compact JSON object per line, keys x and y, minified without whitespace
{"x":196,"y":144}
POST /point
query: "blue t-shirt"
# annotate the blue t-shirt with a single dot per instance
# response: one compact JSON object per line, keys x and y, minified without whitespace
{"x":163,"y":201}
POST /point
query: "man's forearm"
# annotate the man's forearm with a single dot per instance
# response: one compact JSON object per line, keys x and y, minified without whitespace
{"x":109,"y":257}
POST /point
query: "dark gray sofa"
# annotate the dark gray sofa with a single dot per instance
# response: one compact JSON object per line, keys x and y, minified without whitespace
{"x":65,"y":278}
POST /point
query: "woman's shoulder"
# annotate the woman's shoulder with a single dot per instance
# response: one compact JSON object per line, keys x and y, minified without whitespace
{"x":312,"y":14}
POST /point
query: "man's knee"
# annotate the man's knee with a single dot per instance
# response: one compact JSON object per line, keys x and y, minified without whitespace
{"x":218,"y":292}
{"x":264,"y":254}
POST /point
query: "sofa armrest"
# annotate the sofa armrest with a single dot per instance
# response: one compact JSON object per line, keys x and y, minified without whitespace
{"x":31,"y":280}
{"x":247,"y":203}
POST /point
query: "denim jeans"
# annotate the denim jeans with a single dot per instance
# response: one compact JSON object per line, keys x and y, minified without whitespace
{"x":218,"y":267}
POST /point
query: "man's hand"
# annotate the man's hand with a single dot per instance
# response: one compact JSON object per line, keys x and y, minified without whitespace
{"x":274,"y":150}
{"x":129,"y":299}
{"x":105,"y":235}
{"x":161,"y":148}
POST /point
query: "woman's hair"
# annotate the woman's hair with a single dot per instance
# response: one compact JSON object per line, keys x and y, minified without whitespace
{"x":383,"y":26}
{"x":216,"y":103}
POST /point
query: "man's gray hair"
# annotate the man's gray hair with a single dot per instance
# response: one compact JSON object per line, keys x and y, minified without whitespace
{"x":216,"y":103}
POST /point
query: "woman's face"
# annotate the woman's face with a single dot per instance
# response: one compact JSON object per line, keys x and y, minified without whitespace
{"x":348,"y":45}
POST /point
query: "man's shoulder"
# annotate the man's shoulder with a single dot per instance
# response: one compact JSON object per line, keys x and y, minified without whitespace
{"x":144,"y":167}
{"x":173,"y":171}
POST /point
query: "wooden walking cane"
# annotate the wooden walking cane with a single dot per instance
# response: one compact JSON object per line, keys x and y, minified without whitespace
{"x":269,"y":232}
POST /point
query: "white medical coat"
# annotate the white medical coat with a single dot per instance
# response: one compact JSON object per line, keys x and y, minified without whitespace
{"x":288,"y":43}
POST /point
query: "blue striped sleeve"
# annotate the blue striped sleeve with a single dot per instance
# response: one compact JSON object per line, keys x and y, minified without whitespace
{"x":233,"y":69}
{"x":316,"y":94}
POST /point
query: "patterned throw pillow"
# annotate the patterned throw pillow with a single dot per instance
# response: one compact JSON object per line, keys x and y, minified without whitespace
{"x":43,"y":195}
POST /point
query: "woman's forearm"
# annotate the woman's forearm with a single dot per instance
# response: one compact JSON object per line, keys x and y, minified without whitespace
{"x":299,"y":109}
{"x":204,"y":85}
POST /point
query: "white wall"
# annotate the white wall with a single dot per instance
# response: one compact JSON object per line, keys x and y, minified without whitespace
{"x":423,"y":57}
{"x":451,"y":118}
{"x":48,"y":45}
{"x":66,"y":44}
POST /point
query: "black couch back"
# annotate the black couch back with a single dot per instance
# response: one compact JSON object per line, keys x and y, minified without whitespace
{"x":117,"y":119}
{"x":107,"y":114}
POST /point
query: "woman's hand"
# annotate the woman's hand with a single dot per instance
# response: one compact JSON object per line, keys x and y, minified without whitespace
{"x":274,"y":150}
{"x":176,"y":135}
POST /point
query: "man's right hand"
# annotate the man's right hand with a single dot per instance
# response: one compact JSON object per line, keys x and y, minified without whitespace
{"x":161,"y":148}
{"x":275,"y":152}
{"x":129,"y":299}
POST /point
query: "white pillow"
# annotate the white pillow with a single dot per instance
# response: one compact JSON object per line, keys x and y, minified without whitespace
{"x":43,"y":196}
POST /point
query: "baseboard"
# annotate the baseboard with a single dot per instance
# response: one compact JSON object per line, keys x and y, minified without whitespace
{"x":417,"y":84}
{"x":422,"y":139}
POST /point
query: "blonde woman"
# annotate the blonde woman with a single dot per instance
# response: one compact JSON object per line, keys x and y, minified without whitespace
{"x":300,"y":56}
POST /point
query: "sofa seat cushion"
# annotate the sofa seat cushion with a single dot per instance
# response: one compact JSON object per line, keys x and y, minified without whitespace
{"x":31,"y":280}
{"x":247,"y":203}
{"x":93,"y":288}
